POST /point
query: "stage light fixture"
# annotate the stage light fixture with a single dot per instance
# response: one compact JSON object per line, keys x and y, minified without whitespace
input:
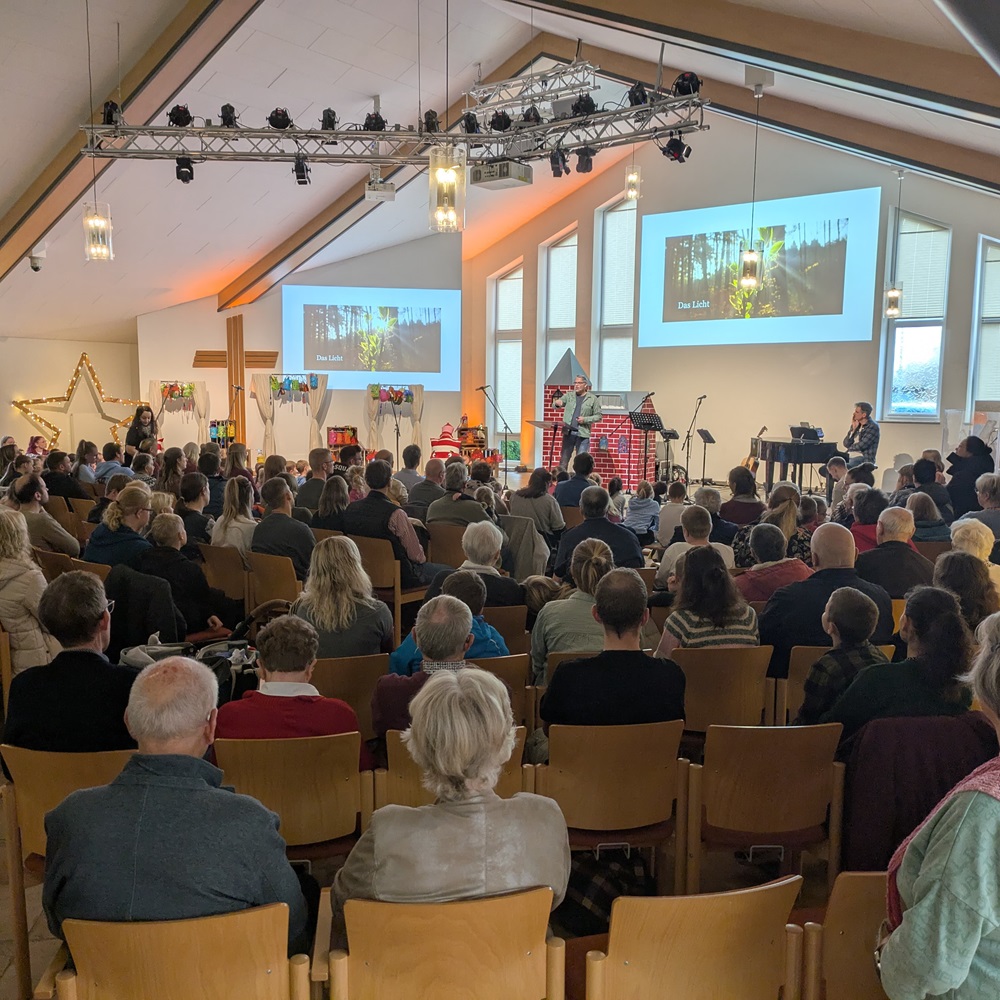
{"x":227,"y":115}
{"x":301,"y":171}
{"x":279,"y":118}
{"x":431,"y":122}
{"x":374,"y":122}
{"x":633,"y":183}
{"x":185,"y":169}
{"x":500,"y":121}
{"x":112,"y":113}
{"x":446,"y":201}
{"x":637,"y":95}
{"x":686,"y":85}
{"x":531,"y":116}
{"x":558,"y":162}
{"x":583,"y":105}
{"x":179,"y":116}
{"x":470,"y":124}
{"x":328,"y":123}
{"x":676,"y":149}
{"x":585,"y":159}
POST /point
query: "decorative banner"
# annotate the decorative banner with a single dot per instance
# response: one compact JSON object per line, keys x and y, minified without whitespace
{"x":281,"y":385}
{"x":83,"y":367}
{"x":395,"y":394}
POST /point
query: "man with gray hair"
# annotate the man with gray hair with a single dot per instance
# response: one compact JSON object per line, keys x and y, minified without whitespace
{"x":482,"y":543}
{"x":696,"y":528}
{"x":456,"y":506}
{"x":147,"y":846}
{"x":431,"y":487}
{"x":894,"y":563}
{"x":773,"y":568}
{"x":444,"y":634}
{"x":723,"y":531}
{"x":624,"y":544}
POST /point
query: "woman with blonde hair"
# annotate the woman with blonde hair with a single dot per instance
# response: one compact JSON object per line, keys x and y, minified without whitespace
{"x":21,"y":587}
{"x":782,"y":510}
{"x":118,"y":538}
{"x":930,"y":525}
{"x":191,"y":455}
{"x":643,"y":515}
{"x":974,"y":537}
{"x":357,"y":487}
{"x":236,"y":525}
{"x":237,"y":465}
{"x":338,"y":602}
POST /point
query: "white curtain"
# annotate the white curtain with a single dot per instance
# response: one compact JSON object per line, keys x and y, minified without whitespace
{"x":265,"y":406}
{"x":418,"y":412}
{"x":374,"y":442}
{"x":318,"y":401}
{"x":200,"y":399}
{"x":156,"y":400}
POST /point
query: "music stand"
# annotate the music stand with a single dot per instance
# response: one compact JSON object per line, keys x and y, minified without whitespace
{"x":707,"y":439}
{"x":555,"y":426}
{"x":648,"y":423}
{"x":669,"y":434}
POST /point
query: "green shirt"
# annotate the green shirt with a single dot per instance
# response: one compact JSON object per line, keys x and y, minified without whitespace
{"x":948,"y":944}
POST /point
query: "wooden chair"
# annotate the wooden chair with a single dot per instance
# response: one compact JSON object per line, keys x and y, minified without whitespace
{"x":312,"y":783}
{"x":399,"y":783}
{"x":352,"y":679}
{"x":758,"y":606}
{"x":320,"y":533}
{"x":85,"y":530}
{"x":383,"y":567}
{"x":498,"y":943}
{"x":273,"y":578}
{"x":898,"y":607}
{"x":224,"y":569}
{"x":68,"y":521}
{"x":619,"y":784}
{"x":659,"y":614}
{"x":53,"y":564}
{"x":553,"y":660}
{"x":446,"y":543}
{"x":512,"y":624}
{"x":56,"y":506}
{"x":931,"y":550}
{"x":572,"y":516}
{"x":41,"y":781}
{"x":648,"y":574}
{"x":6,"y":667}
{"x":726,"y":687}
{"x":766,"y":786}
{"x":726,"y":944}
{"x":99,"y":570}
{"x":790,"y":692}
{"x":241,"y":954}
{"x":838,"y":952}
{"x":515,"y":672}
{"x":81,"y":507}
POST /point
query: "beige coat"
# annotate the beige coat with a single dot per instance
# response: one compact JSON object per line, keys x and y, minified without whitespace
{"x":21,"y":586}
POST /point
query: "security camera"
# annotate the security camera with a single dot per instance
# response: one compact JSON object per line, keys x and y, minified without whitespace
{"x":37,"y":257}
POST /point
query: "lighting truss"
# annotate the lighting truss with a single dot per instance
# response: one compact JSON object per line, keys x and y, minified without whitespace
{"x":534,"y":89}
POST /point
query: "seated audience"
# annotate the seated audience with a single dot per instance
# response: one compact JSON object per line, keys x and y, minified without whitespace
{"x":971,"y":459}
{"x":191,"y":454}
{"x":431,"y":487}
{"x":303,"y":514}
{"x":339,"y":604}
{"x":76,"y":703}
{"x":849,"y":619}
{"x":237,"y":465}
{"x":44,"y":530}
{"x":867,"y":508}
{"x":444,"y":634}
{"x":622,"y":685}
{"x":201,"y":606}
{"x":117,"y":538}
{"x":236,"y":525}
{"x":894,"y":564}
{"x":144,"y":468}
{"x":594,"y":504}
{"x":569,"y":491}
{"x":160,"y":503}
{"x":19,"y":466}
{"x":974,"y":537}
{"x":843,"y":513}
{"x":709,"y":611}
{"x":21,"y":588}
{"x":146,"y":846}
{"x":988,"y":495}
{"x":171,"y":472}
{"x":487,"y":642}
{"x":481,"y":474}
{"x":929,"y":525}
{"x":210,"y":466}
{"x":194,"y":497}
{"x":351,"y":456}
{"x":616,"y":491}
{"x":809,"y":518}
{"x":279,"y":534}
{"x":782,"y":510}
{"x":935,"y":456}
{"x":321,"y":466}
{"x":397,"y":493}
{"x":408,"y":474}
{"x":696,"y":528}
{"x":643,"y":515}
{"x":745,"y":506}
{"x":456,"y":506}
{"x":59,"y":481}
{"x":114,"y":486}
{"x":938,"y":653}
{"x":670,"y":513}
{"x":461,"y":736}
{"x":535,"y":501}
{"x":772,"y":569}
{"x":836,"y":471}
{"x":113,"y":464}
{"x":285,"y":705}
{"x":969,"y":580}
{"x":794,"y":614}
{"x":333,"y":502}
{"x":538,"y":591}
{"x":905,"y":487}
{"x":87,"y":457}
{"x":938,"y":939}
{"x":925,"y":476}
{"x":722,"y":531}
{"x":481,"y":544}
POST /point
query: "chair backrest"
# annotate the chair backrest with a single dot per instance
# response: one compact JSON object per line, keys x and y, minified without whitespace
{"x":659,"y":613}
{"x":572,"y":516}
{"x":898,"y":607}
{"x":612,"y":777}
{"x":800,"y":662}
{"x":648,"y":574}
{"x":838,"y":952}
{"x":498,"y":943}
{"x":6,"y":667}
{"x":446,"y":543}
{"x":768,"y":779}
{"x":352,"y":679}
{"x":56,"y":506}
{"x":510,"y":622}
{"x":400,"y":783}
{"x":225,"y":570}
{"x":273,"y":578}
{"x":320,"y":533}
{"x":725,"y":944}
{"x":53,"y":564}
{"x":241,"y":954}
{"x":758,"y":606}
{"x":931,"y":550}
{"x":312,"y":783}
{"x":553,"y":660}
{"x":98,"y":569}
{"x":43,"y":779}
{"x":84,"y":530}
{"x":68,"y":521}
{"x":724,"y":687}
{"x":379,"y":561}
{"x":514,"y":672}
{"x":81,"y":507}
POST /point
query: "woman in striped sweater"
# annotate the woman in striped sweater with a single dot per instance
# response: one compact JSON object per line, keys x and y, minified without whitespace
{"x":710,"y":610}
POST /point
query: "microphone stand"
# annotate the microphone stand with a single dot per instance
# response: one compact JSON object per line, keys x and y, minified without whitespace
{"x":237,"y":389}
{"x":688,"y":438}
{"x":506,"y":430}
{"x":395,"y":417}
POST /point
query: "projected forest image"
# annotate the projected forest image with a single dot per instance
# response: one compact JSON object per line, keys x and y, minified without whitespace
{"x":372,"y":338}
{"x":801,"y":273}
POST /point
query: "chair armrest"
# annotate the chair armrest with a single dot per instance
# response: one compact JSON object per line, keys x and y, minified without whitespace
{"x":320,"y":970}
{"x":813,"y":974}
{"x":555,"y":969}
{"x":793,"y":963}
{"x":338,"y":975}
{"x":367,"y":798}
{"x":298,"y":977}
{"x":528,"y":777}
{"x":381,"y":776}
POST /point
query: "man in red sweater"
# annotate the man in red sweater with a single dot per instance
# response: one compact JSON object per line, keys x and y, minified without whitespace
{"x":285,"y":705}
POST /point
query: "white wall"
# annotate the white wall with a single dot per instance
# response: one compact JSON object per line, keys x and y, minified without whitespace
{"x":169,"y":338}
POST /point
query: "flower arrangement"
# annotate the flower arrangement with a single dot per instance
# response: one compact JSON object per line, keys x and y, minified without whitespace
{"x":395,"y":394}
{"x":281,"y":385}
{"x":176,"y":390}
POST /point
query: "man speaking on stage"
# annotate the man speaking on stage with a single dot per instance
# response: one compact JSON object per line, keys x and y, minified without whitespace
{"x":581,"y":409}
{"x":861,"y":441}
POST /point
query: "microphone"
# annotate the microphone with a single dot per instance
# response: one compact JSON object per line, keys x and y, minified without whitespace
{"x":648,"y":394}
{"x":700,"y":397}
{"x":480,"y":388}
{"x":238,"y":388}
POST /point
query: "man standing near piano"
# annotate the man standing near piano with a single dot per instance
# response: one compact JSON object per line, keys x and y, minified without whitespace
{"x":581,"y":408}
{"x":861,"y":441}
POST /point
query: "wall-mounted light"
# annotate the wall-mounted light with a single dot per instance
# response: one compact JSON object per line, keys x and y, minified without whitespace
{"x":446,"y":201}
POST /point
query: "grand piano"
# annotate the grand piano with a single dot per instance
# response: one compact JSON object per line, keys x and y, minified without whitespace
{"x":789,"y":453}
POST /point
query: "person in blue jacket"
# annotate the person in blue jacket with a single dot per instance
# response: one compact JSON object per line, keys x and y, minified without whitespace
{"x":117,"y":538}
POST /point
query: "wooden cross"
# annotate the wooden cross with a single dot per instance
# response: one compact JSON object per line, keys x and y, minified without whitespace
{"x":236,"y":361}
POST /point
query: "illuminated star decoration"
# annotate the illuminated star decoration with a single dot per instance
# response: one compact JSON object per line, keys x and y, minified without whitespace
{"x":83,"y":366}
